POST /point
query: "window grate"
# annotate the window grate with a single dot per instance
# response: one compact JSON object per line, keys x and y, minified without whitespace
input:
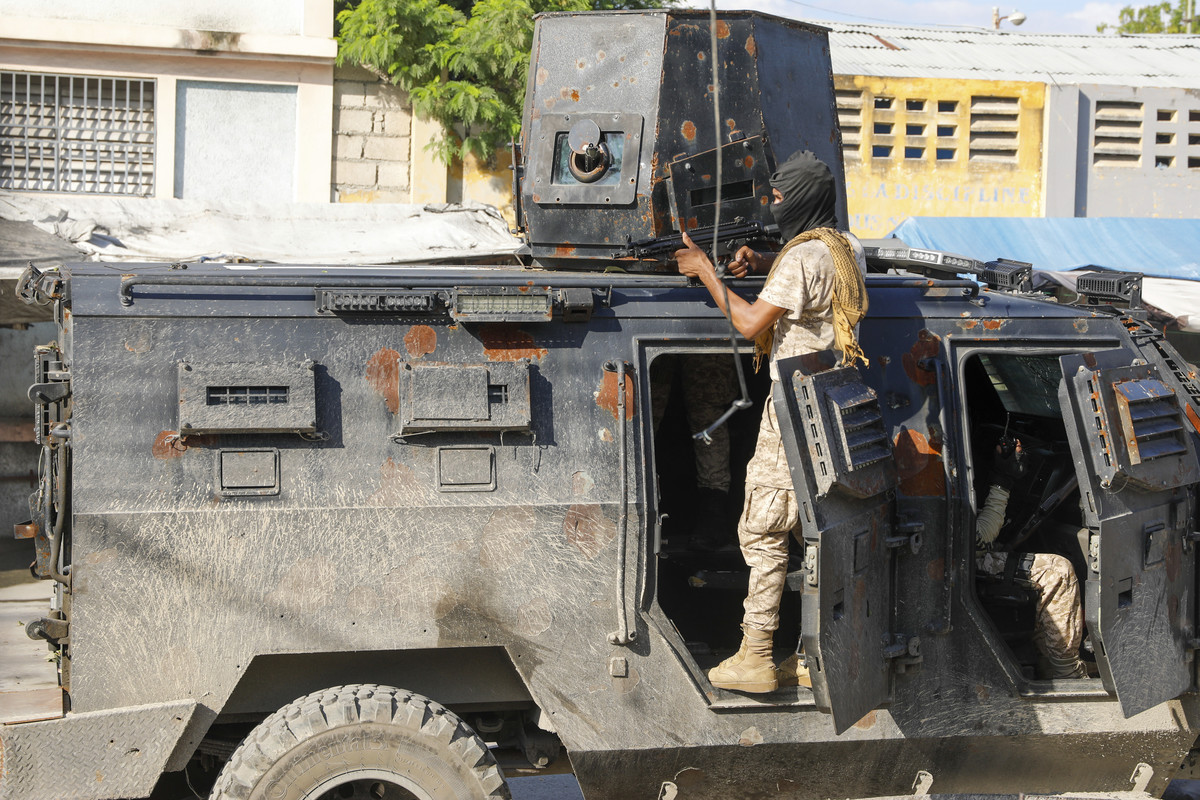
{"x":849,"y":111}
{"x":76,"y":133}
{"x":1117,"y":133}
{"x":246,"y":395}
{"x":994,"y":129}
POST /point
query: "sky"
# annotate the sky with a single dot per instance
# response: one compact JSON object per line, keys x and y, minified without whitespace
{"x":1042,"y":16}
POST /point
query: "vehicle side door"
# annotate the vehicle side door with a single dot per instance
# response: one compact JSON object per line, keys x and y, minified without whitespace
{"x":1137,"y":466}
{"x":840,"y":457}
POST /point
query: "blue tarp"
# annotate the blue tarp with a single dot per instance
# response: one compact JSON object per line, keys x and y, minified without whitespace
{"x":1168,"y":248}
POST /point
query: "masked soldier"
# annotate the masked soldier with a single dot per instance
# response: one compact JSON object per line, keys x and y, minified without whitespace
{"x":813,"y":297}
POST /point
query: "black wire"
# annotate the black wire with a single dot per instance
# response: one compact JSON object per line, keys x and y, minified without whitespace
{"x":742,"y":402}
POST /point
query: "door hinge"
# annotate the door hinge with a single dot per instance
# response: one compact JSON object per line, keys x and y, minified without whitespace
{"x":907,"y":533}
{"x":902,"y":650}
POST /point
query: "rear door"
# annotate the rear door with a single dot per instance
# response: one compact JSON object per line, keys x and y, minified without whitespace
{"x":1137,"y":467}
{"x":840,"y":456}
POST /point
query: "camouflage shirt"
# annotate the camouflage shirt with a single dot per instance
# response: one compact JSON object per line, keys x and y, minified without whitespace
{"x":803,"y":284}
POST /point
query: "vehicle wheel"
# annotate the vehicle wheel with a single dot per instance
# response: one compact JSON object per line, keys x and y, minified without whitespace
{"x":364,"y":741}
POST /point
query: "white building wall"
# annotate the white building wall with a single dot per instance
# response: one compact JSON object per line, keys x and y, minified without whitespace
{"x":1122,"y":151}
{"x":283,"y":17}
{"x":292,"y":51}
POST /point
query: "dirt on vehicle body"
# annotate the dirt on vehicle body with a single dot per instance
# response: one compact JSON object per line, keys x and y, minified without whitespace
{"x":431,"y":503}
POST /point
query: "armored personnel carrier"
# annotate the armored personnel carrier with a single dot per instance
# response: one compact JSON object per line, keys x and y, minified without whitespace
{"x":431,"y":502}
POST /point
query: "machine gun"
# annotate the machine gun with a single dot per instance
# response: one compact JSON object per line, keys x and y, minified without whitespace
{"x":729,"y":238}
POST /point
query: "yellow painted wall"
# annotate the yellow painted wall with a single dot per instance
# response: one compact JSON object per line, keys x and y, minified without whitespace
{"x":936,"y":147}
{"x":492,"y":183}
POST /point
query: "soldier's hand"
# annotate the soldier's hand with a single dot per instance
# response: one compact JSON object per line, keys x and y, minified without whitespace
{"x":691,"y":260}
{"x":1008,"y":465}
{"x":746,"y":261}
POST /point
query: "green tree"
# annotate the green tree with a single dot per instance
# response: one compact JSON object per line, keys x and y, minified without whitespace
{"x":462,"y":63}
{"x":1157,"y":18}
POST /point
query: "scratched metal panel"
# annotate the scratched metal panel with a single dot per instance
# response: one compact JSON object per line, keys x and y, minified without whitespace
{"x":361,"y":551}
{"x":591,"y":64}
{"x":659,"y":65}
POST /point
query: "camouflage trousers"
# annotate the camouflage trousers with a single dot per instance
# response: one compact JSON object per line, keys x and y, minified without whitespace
{"x":708,"y":390}
{"x":769,"y":520}
{"x":1058,"y":624}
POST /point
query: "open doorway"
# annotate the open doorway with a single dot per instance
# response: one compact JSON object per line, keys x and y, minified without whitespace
{"x":1017,"y":440}
{"x":701,"y":576}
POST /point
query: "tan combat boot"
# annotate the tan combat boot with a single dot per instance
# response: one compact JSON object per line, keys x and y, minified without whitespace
{"x":751,"y":668}
{"x":1066,"y":668}
{"x":793,"y":672}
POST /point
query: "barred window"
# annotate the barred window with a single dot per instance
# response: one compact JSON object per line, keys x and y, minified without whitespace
{"x":76,"y":133}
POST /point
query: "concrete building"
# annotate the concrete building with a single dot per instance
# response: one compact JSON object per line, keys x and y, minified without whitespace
{"x":168,"y":99}
{"x":973,"y":122}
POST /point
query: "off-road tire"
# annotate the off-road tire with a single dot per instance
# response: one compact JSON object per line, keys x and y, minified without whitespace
{"x":374,"y":731}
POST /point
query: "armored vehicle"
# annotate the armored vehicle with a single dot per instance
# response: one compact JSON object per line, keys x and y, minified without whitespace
{"x":432,"y":503}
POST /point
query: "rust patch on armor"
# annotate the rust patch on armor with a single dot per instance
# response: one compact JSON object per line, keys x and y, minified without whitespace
{"x":1174,"y":559}
{"x":397,"y":484}
{"x":936,"y":570}
{"x":606,"y":397}
{"x":867,"y":722}
{"x":383,"y":373}
{"x":1190,"y":413}
{"x":141,"y":339}
{"x":926,"y":347}
{"x":168,"y":445}
{"x":582,"y":484}
{"x":1081,"y":325}
{"x":749,"y":162}
{"x":688,"y":130}
{"x":534,"y":618}
{"x":918,"y":465}
{"x":722,"y":29}
{"x":504,"y":343}
{"x":588,"y":528}
{"x":993,"y":324}
{"x":606,"y":434}
{"x":751,"y":46}
{"x":628,"y":683}
{"x":421,"y":340}
{"x":101,"y":556}
{"x":543,"y":75}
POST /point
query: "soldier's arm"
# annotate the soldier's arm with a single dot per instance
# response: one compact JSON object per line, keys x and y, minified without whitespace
{"x":750,"y":319}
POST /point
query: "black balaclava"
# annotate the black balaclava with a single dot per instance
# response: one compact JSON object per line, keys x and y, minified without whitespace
{"x":809,"y":197}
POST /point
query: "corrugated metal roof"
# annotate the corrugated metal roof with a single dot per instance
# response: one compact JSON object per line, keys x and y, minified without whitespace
{"x":1161,"y":60}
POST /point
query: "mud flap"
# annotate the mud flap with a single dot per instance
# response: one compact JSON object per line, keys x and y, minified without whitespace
{"x":840,"y":457}
{"x":1137,"y":466}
